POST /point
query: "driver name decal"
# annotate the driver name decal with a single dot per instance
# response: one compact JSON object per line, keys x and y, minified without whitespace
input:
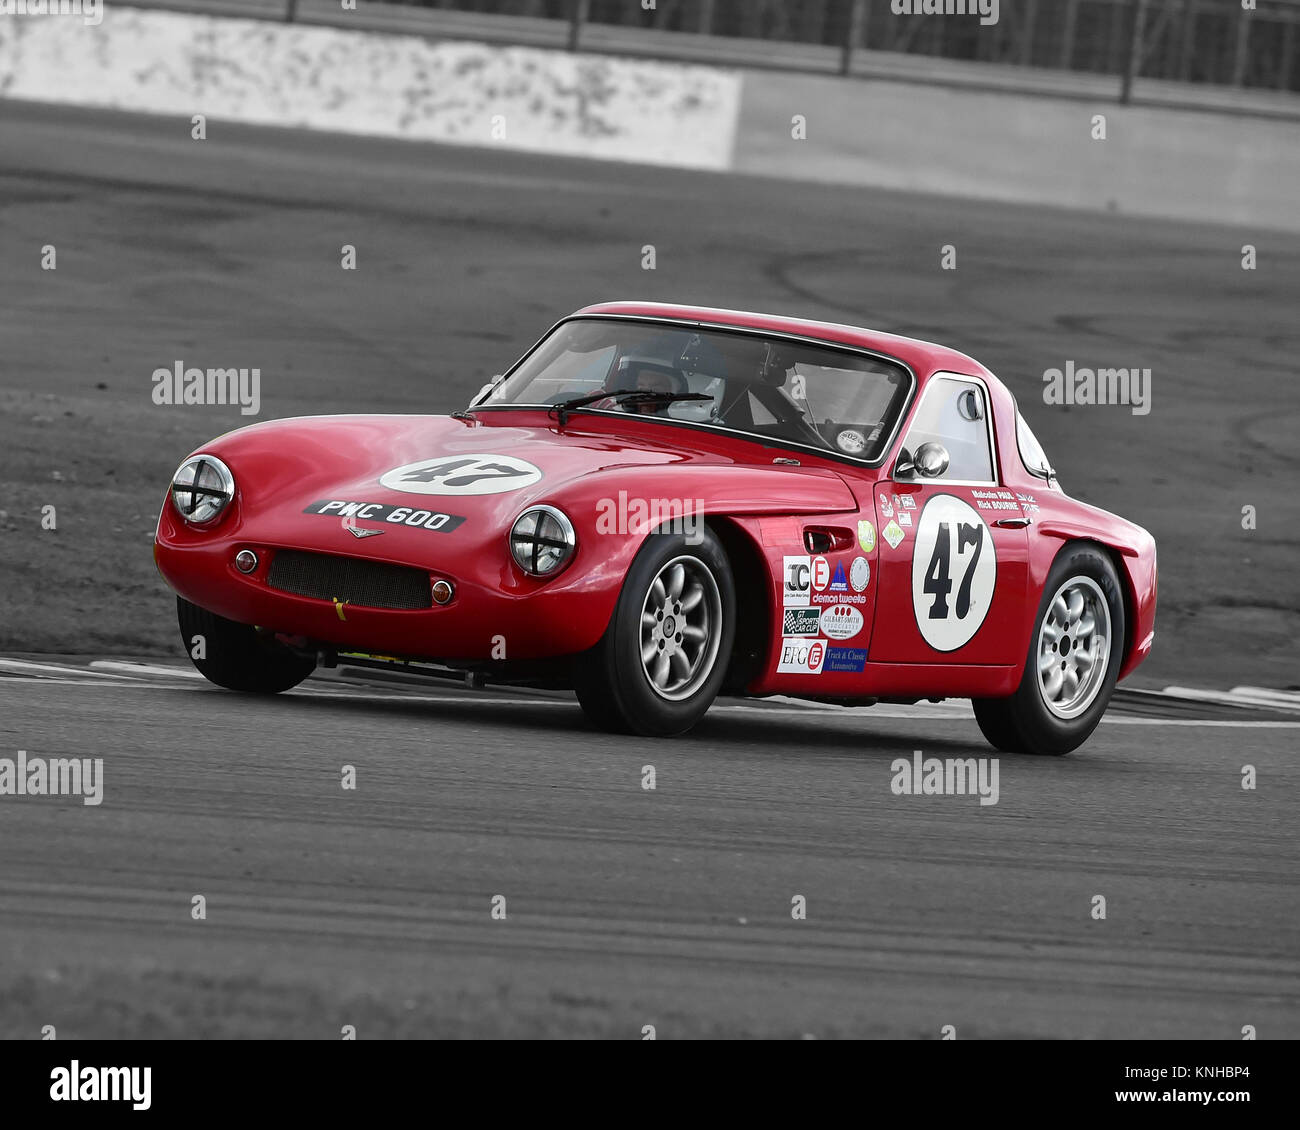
{"x":463,"y":475}
{"x":954,"y":570}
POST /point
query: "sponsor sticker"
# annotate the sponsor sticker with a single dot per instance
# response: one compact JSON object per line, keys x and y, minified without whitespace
{"x":838,"y":598}
{"x":821,"y":573}
{"x":860,"y":574}
{"x":893,"y":534}
{"x":904,"y":518}
{"x":796,"y":584}
{"x":841,"y":622}
{"x":380,"y":512}
{"x":909,"y":502}
{"x":866,"y":536}
{"x":846,"y":658}
{"x":802,"y":656}
{"x":886,"y":509}
{"x":462,"y":474}
{"x":839,"y":583}
{"x":801,"y":622}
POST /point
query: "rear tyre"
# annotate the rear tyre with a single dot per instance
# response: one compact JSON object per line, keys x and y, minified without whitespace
{"x":663,"y":657}
{"x":238,"y":656}
{"x":1074,"y":657}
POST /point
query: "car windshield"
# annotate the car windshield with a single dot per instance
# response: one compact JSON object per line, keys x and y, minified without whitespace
{"x":778,"y":389}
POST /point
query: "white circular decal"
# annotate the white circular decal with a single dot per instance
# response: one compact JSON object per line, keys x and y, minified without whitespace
{"x":860,"y":574}
{"x":462,"y":474}
{"x":841,"y":622}
{"x":954,"y":571}
{"x":821,"y":574}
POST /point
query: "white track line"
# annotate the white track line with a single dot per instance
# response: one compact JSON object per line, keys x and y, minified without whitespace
{"x":1285,"y":698}
{"x":756,"y":711}
{"x":1226,"y":698}
{"x":145,"y":669}
{"x":55,"y":669}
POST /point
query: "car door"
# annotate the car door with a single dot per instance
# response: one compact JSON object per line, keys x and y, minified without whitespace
{"x":953,"y":562}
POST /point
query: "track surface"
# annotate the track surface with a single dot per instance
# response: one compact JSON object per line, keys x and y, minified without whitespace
{"x":628,"y":907}
{"x":625,"y":907}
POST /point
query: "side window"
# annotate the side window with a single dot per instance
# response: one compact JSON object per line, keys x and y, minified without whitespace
{"x":1032,"y":454}
{"x":954,"y":413}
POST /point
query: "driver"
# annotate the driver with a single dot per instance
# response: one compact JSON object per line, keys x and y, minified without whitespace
{"x":652,"y":380}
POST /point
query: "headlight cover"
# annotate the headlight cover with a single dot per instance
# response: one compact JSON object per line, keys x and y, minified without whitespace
{"x":542,"y":541}
{"x":201,"y":489}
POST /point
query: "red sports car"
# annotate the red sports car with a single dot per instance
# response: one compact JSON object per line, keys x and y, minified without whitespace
{"x":658,"y":504}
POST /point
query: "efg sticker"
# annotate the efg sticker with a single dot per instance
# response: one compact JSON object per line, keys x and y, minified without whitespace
{"x":841,"y":622}
{"x":795,"y":583}
{"x":802,"y":656}
{"x":801,"y":622}
{"x":860,"y":574}
{"x":954,"y":571}
{"x":866,"y":536}
{"x":893,"y":533}
{"x":462,"y":474}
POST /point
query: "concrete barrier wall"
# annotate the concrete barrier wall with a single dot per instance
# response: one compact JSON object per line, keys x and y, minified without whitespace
{"x":1154,"y":162}
{"x":1018,"y":148}
{"x":367,"y":82}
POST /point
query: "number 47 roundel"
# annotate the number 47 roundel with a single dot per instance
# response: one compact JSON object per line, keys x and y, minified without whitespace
{"x":954,"y":571}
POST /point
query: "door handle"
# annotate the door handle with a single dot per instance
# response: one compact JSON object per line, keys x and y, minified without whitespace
{"x":1012,"y":523}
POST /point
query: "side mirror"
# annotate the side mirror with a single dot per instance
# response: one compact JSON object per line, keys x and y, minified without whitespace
{"x":931,"y":460}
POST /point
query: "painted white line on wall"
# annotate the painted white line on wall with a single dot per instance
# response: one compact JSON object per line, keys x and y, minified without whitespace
{"x":53,"y":669}
{"x":1230,"y":698}
{"x":145,"y":669}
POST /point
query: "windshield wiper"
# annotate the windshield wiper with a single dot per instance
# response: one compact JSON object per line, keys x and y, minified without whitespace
{"x":629,"y":396}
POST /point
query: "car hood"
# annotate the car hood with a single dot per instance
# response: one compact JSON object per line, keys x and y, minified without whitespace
{"x":287,"y":465}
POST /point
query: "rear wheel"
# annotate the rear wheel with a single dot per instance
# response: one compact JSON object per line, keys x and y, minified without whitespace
{"x":663,"y":657}
{"x":1073,"y":663}
{"x":238,"y":656}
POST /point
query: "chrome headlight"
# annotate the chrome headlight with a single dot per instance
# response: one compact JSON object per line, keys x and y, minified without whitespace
{"x":542,"y":541}
{"x":202,"y":488}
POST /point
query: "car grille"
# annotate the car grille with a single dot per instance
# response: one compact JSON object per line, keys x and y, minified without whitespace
{"x":370,"y":584}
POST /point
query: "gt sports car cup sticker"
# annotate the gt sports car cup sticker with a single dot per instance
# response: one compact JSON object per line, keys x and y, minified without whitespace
{"x":841,"y":622}
{"x":801,"y":622}
{"x":893,"y":534}
{"x":860,"y":574}
{"x":954,"y":571}
{"x":795,"y":583}
{"x":866,"y":536}
{"x":462,"y":474}
{"x":801,"y":656}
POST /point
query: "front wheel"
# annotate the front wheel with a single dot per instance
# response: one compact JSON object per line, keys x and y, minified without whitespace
{"x":663,"y":657}
{"x":1074,"y":658}
{"x":238,"y":656}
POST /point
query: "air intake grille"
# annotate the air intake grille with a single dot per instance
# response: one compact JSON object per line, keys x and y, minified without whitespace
{"x":365,"y":583}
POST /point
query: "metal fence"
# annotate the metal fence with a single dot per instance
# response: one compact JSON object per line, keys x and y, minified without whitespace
{"x":1195,"y":41}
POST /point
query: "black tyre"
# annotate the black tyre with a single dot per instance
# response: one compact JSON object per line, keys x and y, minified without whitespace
{"x":1074,"y":657}
{"x":663,"y":657}
{"x":238,"y":656}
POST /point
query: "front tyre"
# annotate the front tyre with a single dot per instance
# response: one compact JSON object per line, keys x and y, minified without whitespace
{"x":663,"y":657}
{"x":238,"y":656}
{"x":1074,"y":659}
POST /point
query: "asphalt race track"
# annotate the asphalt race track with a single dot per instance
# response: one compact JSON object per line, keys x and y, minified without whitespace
{"x":627,"y":907}
{"x":624,"y":907}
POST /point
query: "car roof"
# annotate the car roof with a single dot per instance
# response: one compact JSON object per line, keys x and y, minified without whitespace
{"x":923,"y":357}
